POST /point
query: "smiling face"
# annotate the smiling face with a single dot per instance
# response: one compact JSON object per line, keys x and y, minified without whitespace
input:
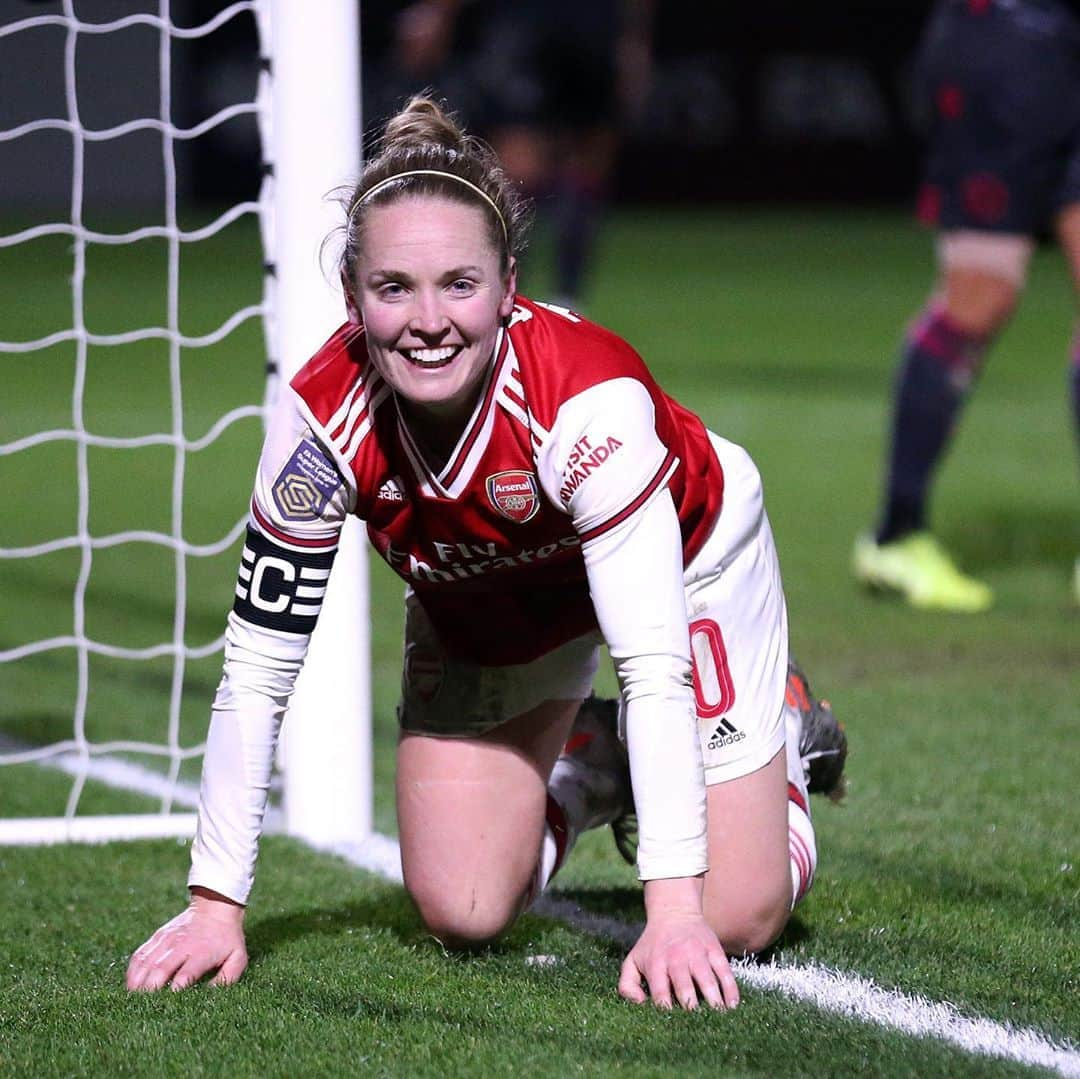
{"x":430,"y":292}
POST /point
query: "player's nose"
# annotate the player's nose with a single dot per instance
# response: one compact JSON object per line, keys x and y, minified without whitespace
{"x":428,"y":318}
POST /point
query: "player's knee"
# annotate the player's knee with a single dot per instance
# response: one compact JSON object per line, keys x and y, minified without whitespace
{"x":465,"y":919}
{"x":982,"y":315}
{"x":957,"y":329}
{"x":749,"y":926}
{"x":984,"y":275}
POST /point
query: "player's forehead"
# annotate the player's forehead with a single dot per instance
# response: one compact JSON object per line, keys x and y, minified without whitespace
{"x":425,"y":226}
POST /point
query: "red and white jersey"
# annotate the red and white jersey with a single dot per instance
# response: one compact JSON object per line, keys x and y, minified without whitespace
{"x":575,"y":498}
{"x":570,"y":439}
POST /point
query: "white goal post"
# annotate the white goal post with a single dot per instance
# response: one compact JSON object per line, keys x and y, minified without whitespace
{"x":308,"y":109}
{"x":316,"y":138}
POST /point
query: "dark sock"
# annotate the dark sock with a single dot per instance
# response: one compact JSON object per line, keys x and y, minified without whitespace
{"x":577,"y":210}
{"x":937,"y":366}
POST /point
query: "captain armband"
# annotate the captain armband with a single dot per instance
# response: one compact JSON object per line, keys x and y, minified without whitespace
{"x":280,"y":587}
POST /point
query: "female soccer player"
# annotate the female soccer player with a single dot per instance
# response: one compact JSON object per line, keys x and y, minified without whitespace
{"x":539,"y":493}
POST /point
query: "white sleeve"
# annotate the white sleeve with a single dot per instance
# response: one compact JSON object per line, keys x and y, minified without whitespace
{"x":635,"y":576}
{"x":633,"y":556}
{"x":297,"y":510}
{"x":261,"y":666}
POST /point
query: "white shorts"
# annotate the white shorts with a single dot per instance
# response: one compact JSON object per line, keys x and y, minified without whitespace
{"x":738,"y":634}
{"x":738,"y":628}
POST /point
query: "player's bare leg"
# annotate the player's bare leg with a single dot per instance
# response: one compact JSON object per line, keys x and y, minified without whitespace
{"x":748,"y":889}
{"x":744,"y":915}
{"x":978,"y":301}
{"x":471,"y":817}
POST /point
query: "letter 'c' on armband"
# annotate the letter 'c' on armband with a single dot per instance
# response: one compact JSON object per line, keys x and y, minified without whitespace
{"x":279,"y":587}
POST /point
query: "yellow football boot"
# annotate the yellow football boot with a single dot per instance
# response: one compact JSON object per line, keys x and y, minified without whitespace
{"x":919,"y":569}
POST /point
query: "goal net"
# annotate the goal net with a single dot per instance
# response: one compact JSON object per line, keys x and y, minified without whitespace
{"x":153,"y":279}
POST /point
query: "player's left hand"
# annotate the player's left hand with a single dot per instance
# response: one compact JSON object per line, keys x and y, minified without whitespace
{"x":679,"y":958}
{"x":208,"y":937}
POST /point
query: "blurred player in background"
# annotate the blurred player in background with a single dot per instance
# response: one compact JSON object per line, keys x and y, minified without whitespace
{"x":540,"y":495}
{"x":1002,"y":172}
{"x":551,"y":84}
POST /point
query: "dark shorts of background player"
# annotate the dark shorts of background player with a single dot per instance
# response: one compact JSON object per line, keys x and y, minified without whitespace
{"x":547,"y":64}
{"x":1001,"y":87}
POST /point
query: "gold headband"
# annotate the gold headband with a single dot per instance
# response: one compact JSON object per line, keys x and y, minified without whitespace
{"x":444,"y":175}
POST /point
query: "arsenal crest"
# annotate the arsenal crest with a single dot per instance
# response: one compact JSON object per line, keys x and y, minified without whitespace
{"x":514,"y":494}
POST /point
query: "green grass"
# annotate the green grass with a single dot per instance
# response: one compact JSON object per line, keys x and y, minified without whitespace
{"x":952,"y":871}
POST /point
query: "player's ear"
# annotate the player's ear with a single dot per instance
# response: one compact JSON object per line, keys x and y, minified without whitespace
{"x":351,"y":307}
{"x":506,"y":305}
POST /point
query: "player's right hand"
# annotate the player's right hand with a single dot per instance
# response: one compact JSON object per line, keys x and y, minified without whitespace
{"x":208,"y":936}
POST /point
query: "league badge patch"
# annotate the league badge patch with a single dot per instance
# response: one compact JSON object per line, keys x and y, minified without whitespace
{"x":514,"y":494}
{"x":305,"y":484}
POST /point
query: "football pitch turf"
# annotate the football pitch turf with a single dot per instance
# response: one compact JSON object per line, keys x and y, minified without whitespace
{"x":951,"y":872}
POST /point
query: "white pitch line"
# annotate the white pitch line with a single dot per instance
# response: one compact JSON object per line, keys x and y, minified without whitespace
{"x":831,"y":990}
{"x":126,"y":775}
{"x":859,"y":998}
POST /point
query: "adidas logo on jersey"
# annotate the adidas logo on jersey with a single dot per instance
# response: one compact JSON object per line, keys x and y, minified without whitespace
{"x":726,"y":734}
{"x":391,"y":491}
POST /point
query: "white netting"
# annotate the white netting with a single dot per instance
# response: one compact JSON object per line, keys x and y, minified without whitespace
{"x":164,"y":740}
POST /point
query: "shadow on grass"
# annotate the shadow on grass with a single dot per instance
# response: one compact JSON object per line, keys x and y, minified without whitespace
{"x":799,"y":379}
{"x":796,"y":932}
{"x":1018,"y":536}
{"x":390,"y":911}
{"x":625,"y":904}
